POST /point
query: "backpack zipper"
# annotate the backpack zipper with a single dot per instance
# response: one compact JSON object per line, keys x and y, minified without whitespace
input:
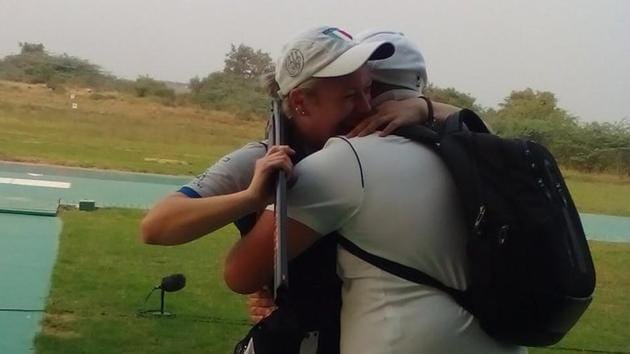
{"x":481,"y":215}
{"x":557,"y":184}
{"x":572,"y":250}
{"x":532,"y":165}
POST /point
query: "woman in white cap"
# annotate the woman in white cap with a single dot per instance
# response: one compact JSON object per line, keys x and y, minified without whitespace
{"x":217,"y":197}
{"x":389,"y":195}
{"x":208,"y":202}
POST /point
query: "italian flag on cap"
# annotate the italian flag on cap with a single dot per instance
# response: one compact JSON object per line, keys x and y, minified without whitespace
{"x":338,"y":33}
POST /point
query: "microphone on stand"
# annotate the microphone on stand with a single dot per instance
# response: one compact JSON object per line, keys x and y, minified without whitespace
{"x":169,"y":284}
{"x":172,"y":283}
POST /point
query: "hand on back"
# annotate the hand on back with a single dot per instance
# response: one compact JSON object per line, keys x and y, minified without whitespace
{"x":260,"y":305}
{"x":391,"y":115}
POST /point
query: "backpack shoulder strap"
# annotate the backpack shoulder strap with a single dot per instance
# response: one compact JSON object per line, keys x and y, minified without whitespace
{"x":464,"y":120}
{"x":419,"y":133}
{"x":403,"y":271}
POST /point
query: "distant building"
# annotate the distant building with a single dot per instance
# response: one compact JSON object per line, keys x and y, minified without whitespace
{"x":178,"y":87}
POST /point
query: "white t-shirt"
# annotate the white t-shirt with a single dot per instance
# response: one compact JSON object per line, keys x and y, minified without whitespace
{"x":394,"y":198}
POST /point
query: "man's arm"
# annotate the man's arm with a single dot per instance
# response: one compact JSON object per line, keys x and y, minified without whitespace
{"x":249,"y":265}
{"x":318,"y":203}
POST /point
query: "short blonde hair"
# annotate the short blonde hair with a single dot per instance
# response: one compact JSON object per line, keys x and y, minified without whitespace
{"x":273,"y":88}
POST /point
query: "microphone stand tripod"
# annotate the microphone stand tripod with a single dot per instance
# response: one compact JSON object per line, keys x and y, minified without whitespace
{"x":161,"y":313}
{"x":170,"y":283}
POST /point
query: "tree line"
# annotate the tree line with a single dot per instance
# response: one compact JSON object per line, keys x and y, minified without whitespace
{"x":528,"y":113}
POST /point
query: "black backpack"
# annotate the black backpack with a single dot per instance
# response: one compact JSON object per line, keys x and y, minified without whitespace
{"x":531,"y":272}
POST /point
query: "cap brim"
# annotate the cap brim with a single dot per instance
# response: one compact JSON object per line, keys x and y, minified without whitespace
{"x":356,"y":56}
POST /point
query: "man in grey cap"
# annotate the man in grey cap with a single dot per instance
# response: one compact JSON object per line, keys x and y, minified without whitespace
{"x":404,"y":74}
{"x":395,"y":82}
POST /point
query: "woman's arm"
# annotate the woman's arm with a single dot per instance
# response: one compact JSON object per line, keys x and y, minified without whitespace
{"x":179,"y":219}
{"x":391,"y":115}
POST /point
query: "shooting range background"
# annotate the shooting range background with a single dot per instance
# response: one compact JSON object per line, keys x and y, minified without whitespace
{"x":29,"y":232}
{"x":29,"y":239}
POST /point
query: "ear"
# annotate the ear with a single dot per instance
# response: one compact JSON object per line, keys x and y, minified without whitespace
{"x":297,"y":102}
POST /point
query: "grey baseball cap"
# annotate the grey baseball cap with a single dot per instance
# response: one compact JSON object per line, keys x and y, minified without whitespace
{"x":406,"y":68}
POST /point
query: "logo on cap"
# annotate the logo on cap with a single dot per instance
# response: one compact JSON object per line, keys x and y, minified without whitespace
{"x":337,"y":34}
{"x":294,"y":62}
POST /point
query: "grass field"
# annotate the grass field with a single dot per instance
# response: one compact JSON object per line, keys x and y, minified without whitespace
{"x":600,"y":193}
{"x":605,"y":327}
{"x":103,"y":274}
{"x":118,"y":132}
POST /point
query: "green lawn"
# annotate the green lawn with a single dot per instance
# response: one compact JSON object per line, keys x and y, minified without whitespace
{"x":605,"y":327}
{"x":123,"y":132}
{"x":600,"y":194}
{"x":103,"y":274}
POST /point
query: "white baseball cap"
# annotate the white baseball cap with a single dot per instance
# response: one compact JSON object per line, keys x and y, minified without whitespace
{"x":324,"y":52}
{"x":406,"y":68}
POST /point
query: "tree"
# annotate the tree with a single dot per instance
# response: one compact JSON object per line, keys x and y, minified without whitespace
{"x":530,"y":104}
{"x":243,"y":61}
{"x":195,"y":84}
{"x":603,"y":146}
{"x":534,"y":115}
{"x":235,"y":93}
{"x":147,"y":86}
{"x":537,"y":109}
{"x":31,"y":48}
{"x":452,"y":96}
{"x":35,"y":65}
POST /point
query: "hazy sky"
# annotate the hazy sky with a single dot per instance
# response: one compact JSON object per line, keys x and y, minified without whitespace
{"x":578,"y":49}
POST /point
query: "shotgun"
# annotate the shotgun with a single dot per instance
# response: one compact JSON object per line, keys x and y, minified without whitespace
{"x":277,"y":136}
